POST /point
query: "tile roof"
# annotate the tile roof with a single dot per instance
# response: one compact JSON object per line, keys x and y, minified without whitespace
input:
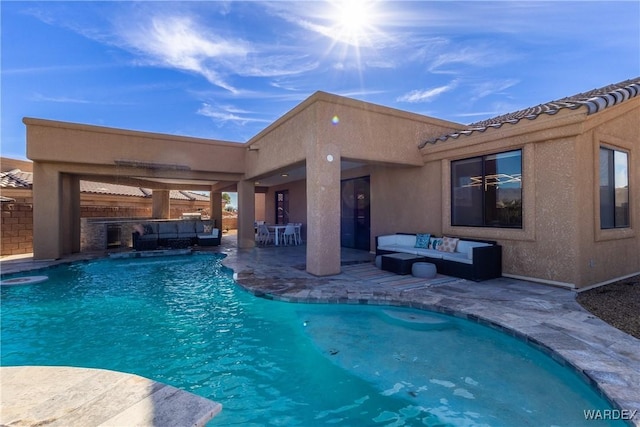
{"x":15,"y":178}
{"x":188,"y":195}
{"x":594,"y":100}
{"x":112,"y":189}
{"x":18,"y":179}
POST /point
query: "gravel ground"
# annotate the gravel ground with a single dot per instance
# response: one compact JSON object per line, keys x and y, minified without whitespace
{"x":617,"y":304}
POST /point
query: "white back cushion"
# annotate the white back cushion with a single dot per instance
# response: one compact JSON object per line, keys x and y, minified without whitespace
{"x":406,"y":240}
{"x":466,"y":247}
{"x":387,"y":240}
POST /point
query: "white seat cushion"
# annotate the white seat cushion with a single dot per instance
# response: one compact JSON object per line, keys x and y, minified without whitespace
{"x":456,"y":256}
{"x":213,"y":235}
{"x":398,"y":248}
{"x":431,"y":253}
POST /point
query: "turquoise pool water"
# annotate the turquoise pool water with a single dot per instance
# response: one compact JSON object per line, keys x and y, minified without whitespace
{"x":184,"y":321}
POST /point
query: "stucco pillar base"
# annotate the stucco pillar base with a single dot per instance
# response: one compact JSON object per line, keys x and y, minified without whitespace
{"x":215,"y":200}
{"x":70,"y":215}
{"x":246,"y":214}
{"x":323,"y":210}
{"x":47,"y":208}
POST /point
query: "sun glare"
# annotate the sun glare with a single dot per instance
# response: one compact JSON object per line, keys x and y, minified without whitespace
{"x":353,"y":21}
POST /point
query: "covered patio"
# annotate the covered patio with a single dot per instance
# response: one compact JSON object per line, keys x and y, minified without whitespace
{"x":311,"y":150}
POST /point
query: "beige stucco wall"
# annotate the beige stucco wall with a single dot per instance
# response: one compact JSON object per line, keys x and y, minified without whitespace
{"x":406,"y":200}
{"x":53,"y":141}
{"x":7,"y":164}
{"x":561,"y":241}
{"x":363,"y":132}
{"x":607,"y":254}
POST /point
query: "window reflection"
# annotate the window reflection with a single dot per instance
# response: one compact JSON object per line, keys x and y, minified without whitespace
{"x":614,"y":188}
{"x":487,"y":190}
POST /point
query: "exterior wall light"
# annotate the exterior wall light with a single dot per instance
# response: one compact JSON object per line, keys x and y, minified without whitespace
{"x":329,"y":158}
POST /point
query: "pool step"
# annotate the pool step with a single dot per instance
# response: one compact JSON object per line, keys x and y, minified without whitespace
{"x":149,"y":254}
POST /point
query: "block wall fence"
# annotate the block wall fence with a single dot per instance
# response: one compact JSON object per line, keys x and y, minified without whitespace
{"x":16,"y":228}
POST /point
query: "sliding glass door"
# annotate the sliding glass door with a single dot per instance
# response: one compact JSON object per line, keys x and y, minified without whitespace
{"x":355,"y":230}
{"x":282,"y":207}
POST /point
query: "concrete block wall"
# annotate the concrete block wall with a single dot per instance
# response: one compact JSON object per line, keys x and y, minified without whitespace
{"x":115,"y":211}
{"x":17,"y":224}
{"x":17,"y":228}
{"x":229,"y":222}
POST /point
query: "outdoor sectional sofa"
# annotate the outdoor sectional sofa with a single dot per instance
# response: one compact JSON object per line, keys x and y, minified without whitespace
{"x":175,"y":234}
{"x":472,"y":259}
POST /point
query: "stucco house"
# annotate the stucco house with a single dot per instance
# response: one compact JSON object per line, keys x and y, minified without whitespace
{"x":556,"y":185}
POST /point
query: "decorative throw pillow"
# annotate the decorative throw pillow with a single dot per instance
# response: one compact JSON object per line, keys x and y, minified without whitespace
{"x":422,"y":240}
{"x":208,"y":228}
{"x":448,"y":244}
{"x":148,"y":229}
{"x":435,"y":243}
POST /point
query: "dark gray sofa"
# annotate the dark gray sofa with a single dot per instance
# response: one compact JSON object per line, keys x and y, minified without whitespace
{"x":473,"y":259}
{"x":178,"y":233}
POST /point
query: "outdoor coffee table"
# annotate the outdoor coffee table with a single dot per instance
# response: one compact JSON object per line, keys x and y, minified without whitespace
{"x":179,"y":243}
{"x":400,"y":263}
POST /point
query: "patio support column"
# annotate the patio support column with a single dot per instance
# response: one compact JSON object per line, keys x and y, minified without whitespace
{"x":161,"y":204}
{"x":47,"y":210}
{"x":246,"y":214}
{"x":70,"y":214}
{"x":215,"y":208}
{"x":323,"y":209}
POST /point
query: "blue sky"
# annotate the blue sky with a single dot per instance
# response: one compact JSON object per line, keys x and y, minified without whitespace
{"x":226,"y":70}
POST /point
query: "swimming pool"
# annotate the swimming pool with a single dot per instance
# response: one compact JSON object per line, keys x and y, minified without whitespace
{"x":184,"y":321}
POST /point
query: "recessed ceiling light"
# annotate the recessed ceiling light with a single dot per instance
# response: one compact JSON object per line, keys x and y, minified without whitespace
{"x":285,"y":174}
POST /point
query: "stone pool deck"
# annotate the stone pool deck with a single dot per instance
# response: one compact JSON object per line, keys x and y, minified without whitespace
{"x":547,"y":317}
{"x":67,"y":396}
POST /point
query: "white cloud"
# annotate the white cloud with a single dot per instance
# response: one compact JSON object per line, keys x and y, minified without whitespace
{"x":477,"y":56}
{"x":426,"y":95}
{"x":487,"y":88}
{"x":265,"y":65}
{"x":61,"y":99}
{"x":38,"y":97}
{"x":226,"y":114}
{"x":381,"y":63}
{"x":179,"y":42}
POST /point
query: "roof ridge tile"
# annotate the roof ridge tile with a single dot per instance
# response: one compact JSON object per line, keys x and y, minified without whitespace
{"x":594,"y":100}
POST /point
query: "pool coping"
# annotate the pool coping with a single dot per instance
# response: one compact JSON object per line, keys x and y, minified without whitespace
{"x":547,"y":317}
{"x":71,"y":396}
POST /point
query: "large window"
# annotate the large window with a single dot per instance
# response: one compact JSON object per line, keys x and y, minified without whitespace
{"x":614,"y":188}
{"x":486,"y":191}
